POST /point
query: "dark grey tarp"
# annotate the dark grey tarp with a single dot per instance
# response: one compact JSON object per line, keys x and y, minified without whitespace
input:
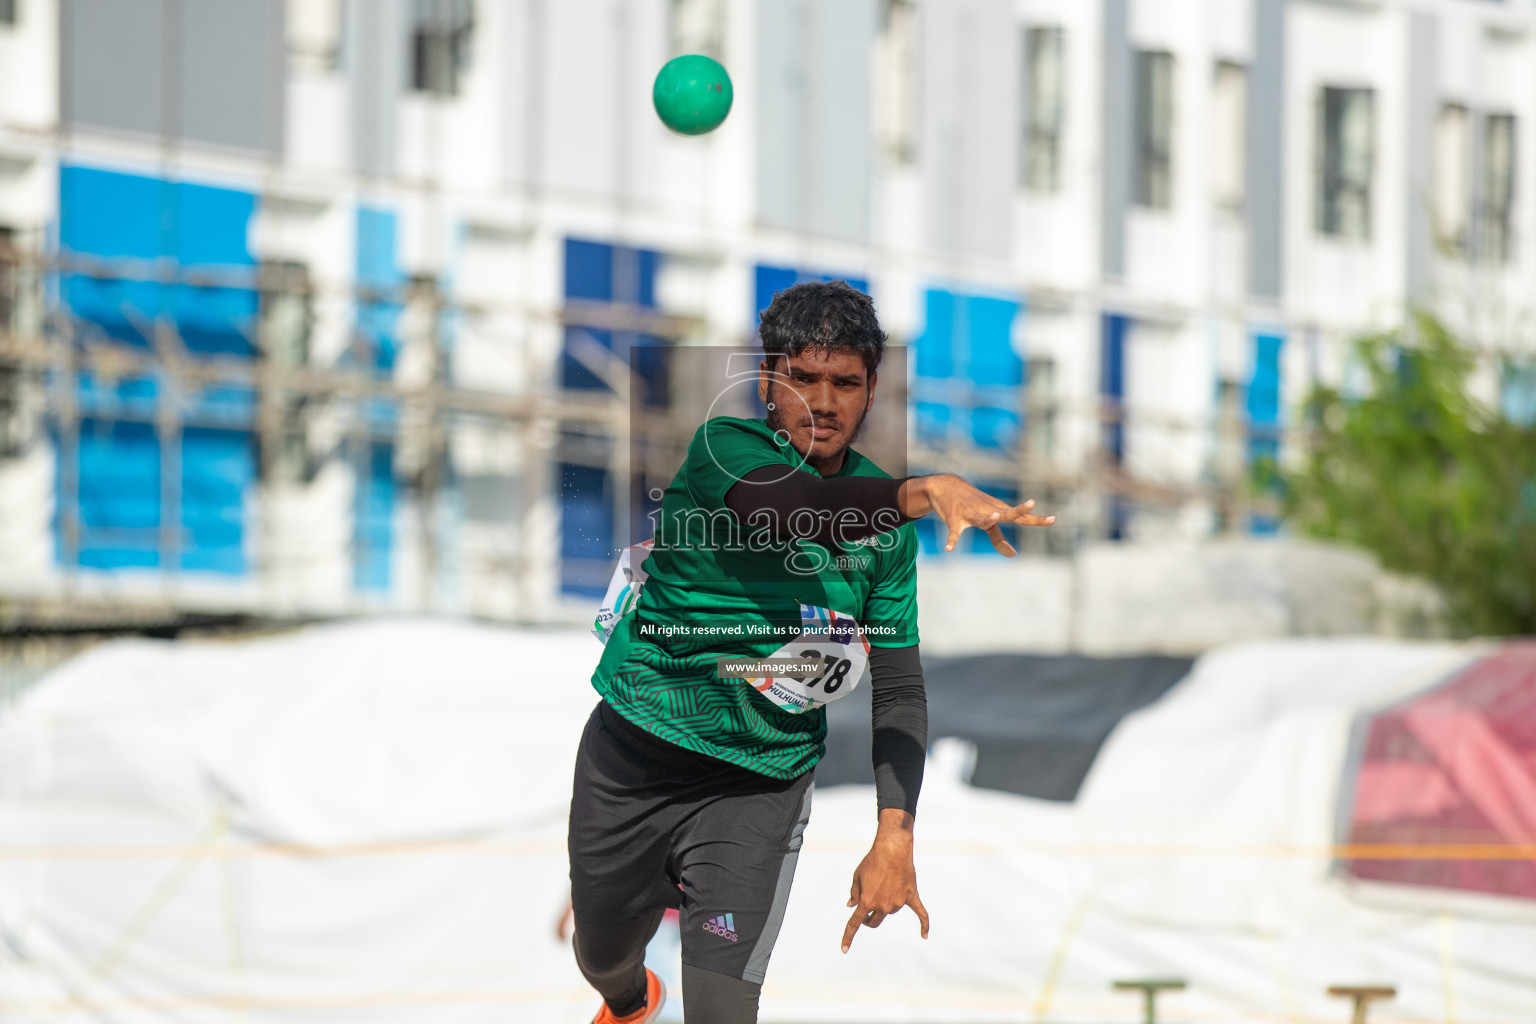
{"x":1037,"y":721}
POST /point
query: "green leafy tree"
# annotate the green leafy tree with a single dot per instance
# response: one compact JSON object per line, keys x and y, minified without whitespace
{"x":1433,"y":481}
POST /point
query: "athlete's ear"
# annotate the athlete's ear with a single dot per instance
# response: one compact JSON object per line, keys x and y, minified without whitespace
{"x":762,"y":382}
{"x":869,"y":398}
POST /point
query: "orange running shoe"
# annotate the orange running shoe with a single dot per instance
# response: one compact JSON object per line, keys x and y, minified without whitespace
{"x":655,"y":996}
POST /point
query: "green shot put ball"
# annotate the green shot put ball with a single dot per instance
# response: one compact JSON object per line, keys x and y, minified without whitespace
{"x":692,"y":94}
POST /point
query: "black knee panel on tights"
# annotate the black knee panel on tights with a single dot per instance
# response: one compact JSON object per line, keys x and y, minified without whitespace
{"x":713,"y":998}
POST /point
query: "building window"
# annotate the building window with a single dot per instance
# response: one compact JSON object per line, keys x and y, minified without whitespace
{"x":698,"y":26}
{"x":1154,"y":129}
{"x":1040,"y":169}
{"x":440,"y":41}
{"x":1346,"y":155}
{"x":314,"y":34}
{"x":897,"y":114}
{"x":1229,"y":164}
{"x":1498,"y":187}
{"x":1453,"y":194}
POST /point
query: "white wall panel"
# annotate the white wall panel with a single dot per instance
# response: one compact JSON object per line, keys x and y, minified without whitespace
{"x":813,"y":116}
{"x":580,"y":101}
{"x":969,"y":149}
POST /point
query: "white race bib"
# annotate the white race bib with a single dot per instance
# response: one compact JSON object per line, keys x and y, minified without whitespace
{"x":624,"y":588}
{"x":839,"y":642}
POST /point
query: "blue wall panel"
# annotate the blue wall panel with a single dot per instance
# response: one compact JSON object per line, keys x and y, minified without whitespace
{"x":218,"y":470}
{"x":1113,"y":329}
{"x":211,"y":230}
{"x":1263,"y":407}
{"x":933,"y":364}
{"x":993,"y":362}
{"x":211,"y":226}
{"x":1264,"y":389}
{"x":119,"y":495}
{"x":599,"y":272}
{"x":373,"y":517}
{"x":967,"y":374}
{"x":109,"y":213}
{"x":176,"y":251}
{"x":966,"y":380}
{"x":935,"y":355}
{"x":995,"y":370}
{"x":586,"y":530}
{"x":382,"y":282}
{"x":199,"y":229}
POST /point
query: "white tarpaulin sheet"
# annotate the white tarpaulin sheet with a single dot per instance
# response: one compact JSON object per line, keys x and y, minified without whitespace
{"x":367,"y":822}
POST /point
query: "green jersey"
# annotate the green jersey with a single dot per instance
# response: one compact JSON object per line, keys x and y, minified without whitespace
{"x":717,"y":588}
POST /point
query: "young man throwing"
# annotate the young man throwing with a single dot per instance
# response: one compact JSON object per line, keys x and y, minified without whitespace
{"x":776,"y":540}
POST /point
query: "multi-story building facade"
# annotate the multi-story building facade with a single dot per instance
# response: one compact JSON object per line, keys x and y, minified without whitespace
{"x":306,"y":305}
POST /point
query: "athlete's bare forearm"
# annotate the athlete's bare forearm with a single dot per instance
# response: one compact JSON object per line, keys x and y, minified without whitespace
{"x":895,"y":827}
{"x":912,"y":497}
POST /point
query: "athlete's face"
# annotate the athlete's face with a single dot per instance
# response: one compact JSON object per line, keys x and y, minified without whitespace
{"x":819,"y":399}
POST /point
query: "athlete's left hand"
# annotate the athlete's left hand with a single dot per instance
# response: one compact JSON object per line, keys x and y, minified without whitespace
{"x":885,"y":880}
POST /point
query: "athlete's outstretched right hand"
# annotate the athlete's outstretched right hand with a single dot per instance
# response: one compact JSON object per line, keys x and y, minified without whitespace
{"x":961,"y":505}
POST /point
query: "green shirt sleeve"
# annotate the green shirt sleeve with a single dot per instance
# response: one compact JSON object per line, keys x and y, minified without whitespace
{"x":890,"y":612}
{"x":723,"y":451}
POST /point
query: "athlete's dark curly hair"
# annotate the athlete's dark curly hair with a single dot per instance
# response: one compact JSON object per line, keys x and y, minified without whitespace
{"x":824,"y":316}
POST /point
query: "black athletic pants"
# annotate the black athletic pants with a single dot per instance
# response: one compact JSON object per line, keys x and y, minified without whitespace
{"x":654,"y":826}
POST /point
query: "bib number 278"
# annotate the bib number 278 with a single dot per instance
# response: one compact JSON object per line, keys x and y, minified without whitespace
{"x":834,"y":672}
{"x":838,"y":642}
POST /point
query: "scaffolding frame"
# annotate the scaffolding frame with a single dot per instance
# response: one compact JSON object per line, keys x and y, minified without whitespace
{"x":43,"y":362}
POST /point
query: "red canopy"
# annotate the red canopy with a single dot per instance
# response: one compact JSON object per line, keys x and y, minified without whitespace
{"x":1454,"y":767}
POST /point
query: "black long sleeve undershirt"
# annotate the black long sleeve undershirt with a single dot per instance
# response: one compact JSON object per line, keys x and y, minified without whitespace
{"x":827,"y":510}
{"x":899,"y":716}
